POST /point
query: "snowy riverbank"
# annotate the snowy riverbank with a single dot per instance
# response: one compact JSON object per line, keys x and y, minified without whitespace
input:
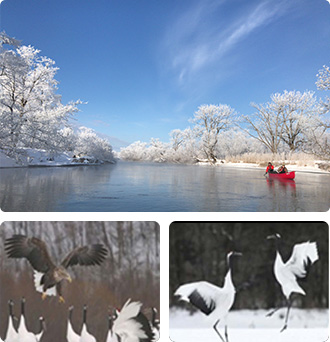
{"x":252,"y":325}
{"x":291,"y":167}
{"x":42,"y":158}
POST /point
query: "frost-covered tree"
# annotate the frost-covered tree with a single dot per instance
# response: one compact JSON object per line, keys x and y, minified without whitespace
{"x":286,"y":118}
{"x":31,"y":113}
{"x":210,"y":121}
{"x":265,"y":126}
{"x":137,"y":151}
{"x":299,"y":114}
{"x":323,"y":78}
{"x":90,"y":144}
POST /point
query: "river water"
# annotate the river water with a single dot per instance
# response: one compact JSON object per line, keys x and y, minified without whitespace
{"x":142,"y":187}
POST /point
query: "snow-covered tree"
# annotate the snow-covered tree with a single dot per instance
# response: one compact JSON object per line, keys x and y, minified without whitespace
{"x":286,"y":118}
{"x":299,"y":113}
{"x":323,"y":78}
{"x":137,"y":151}
{"x":210,"y":121}
{"x":265,"y":126}
{"x":31,"y":113}
{"x":90,"y":144}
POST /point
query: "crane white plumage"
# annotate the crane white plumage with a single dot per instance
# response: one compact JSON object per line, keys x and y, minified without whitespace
{"x":213,"y":301}
{"x":11,"y":335}
{"x":71,"y":335}
{"x":23,"y":333}
{"x":42,"y":329}
{"x":287,"y":274}
{"x":131,"y":325}
{"x":155,"y":324}
{"x":85,"y":335}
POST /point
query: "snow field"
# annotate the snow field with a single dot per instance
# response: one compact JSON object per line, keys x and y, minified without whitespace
{"x":252,"y":326}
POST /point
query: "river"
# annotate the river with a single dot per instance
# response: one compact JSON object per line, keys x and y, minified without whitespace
{"x":143,"y":187}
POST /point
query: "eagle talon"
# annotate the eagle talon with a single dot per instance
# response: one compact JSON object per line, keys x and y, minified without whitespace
{"x":43,"y":296}
{"x":61,"y":300}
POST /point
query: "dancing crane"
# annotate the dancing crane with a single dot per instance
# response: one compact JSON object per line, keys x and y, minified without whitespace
{"x":11,"y":335}
{"x":85,"y":335}
{"x":23,"y":333}
{"x":210,"y":299}
{"x":131,"y":325}
{"x":303,"y":255}
{"x":71,"y":335}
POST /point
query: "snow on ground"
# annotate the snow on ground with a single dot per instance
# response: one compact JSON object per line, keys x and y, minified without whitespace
{"x":33,"y":157}
{"x":252,"y":325}
{"x":250,"y":335}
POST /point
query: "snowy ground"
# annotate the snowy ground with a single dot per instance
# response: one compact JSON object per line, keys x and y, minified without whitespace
{"x":252,"y":326}
{"x":41,"y":158}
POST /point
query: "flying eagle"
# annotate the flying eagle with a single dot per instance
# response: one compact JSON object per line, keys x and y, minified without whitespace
{"x":48,"y":276}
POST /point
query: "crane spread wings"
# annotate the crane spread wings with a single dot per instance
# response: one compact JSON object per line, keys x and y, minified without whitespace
{"x":131,"y":322}
{"x":85,"y":256}
{"x":201,"y":294}
{"x":33,"y":249}
{"x":303,"y":255}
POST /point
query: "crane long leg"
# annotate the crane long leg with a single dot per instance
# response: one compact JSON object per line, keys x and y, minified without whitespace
{"x":273,"y":311}
{"x":216,"y":330}
{"x":226,"y":334}
{"x":287,"y":316}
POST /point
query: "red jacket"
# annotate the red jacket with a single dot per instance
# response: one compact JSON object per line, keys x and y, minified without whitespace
{"x":269,"y":167}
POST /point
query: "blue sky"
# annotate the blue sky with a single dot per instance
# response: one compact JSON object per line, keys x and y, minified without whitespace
{"x":145,"y":66}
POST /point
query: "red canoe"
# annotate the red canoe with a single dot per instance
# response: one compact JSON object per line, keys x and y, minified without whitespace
{"x":288,"y":175}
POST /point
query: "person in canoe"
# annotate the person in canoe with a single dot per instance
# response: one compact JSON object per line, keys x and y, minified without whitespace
{"x":282,"y":169}
{"x":270,"y":168}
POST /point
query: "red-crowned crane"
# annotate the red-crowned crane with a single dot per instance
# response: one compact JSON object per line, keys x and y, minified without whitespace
{"x":212,"y":300}
{"x":85,"y":335}
{"x":11,"y":335}
{"x":131,"y":325}
{"x":23,"y":333}
{"x":155,"y":324}
{"x":42,"y":329}
{"x":71,"y":335}
{"x":303,"y":255}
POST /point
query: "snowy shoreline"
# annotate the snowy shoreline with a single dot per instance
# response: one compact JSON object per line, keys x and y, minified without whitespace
{"x":41,"y":158}
{"x":291,"y":167}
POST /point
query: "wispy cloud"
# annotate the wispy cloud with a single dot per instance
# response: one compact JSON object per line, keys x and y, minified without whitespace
{"x":203,"y":34}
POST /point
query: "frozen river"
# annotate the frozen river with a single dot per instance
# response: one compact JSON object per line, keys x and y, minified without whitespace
{"x":135,"y":187}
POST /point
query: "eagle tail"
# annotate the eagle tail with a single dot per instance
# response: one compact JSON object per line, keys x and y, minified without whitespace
{"x":39,"y":287}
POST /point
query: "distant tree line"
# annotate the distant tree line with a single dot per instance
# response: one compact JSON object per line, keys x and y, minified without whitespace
{"x":290,"y":122}
{"x":198,"y":252}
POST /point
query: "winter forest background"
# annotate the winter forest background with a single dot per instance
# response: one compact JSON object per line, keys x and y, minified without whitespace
{"x":131,"y":270}
{"x":291,"y":126}
{"x":198,"y":252}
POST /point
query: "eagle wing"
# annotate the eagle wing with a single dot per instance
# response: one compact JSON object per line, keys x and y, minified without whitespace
{"x":33,"y":249}
{"x":85,"y":256}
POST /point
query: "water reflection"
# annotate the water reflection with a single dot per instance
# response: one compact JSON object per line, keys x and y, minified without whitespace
{"x":159,"y":187}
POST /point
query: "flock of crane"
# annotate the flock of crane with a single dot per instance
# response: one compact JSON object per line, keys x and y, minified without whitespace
{"x":128,"y":324}
{"x":215,"y":302}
